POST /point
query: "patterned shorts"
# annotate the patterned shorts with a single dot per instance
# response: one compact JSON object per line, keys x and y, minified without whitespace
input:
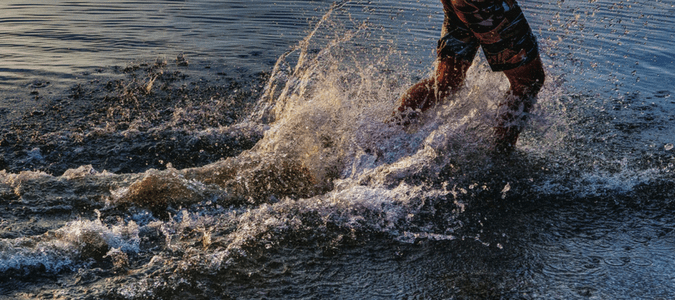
{"x":498,"y":26}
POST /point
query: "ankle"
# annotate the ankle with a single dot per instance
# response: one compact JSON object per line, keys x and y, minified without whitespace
{"x":506,"y":139}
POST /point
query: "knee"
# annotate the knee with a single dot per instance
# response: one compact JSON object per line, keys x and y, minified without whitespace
{"x":527,"y":80}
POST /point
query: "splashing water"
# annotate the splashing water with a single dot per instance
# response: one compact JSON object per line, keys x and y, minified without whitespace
{"x":327,"y":153}
{"x":328,"y":171}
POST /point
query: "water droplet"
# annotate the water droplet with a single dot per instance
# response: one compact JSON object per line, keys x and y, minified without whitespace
{"x":507,"y":188}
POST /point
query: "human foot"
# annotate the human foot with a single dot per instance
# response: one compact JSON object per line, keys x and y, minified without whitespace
{"x":505,"y":139}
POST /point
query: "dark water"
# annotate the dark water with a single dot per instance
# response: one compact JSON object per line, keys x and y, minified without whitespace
{"x":237,"y":150}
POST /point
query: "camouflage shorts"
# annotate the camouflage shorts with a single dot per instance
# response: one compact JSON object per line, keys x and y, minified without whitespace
{"x":498,"y":26}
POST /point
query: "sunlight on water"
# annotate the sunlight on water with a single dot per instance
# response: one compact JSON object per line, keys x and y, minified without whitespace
{"x":328,"y":154}
{"x":327,"y":172}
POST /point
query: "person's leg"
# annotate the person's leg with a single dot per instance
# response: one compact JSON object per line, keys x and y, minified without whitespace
{"x":526,"y":81}
{"x":509,"y":46}
{"x":456,"y":50}
{"x":450,"y":74}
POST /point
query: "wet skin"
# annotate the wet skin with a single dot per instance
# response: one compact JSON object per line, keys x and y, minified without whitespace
{"x":525,"y":82}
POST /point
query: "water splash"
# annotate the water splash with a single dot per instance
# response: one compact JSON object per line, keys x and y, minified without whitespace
{"x":328,"y":172}
{"x":76,"y":244}
{"x":328,"y":163}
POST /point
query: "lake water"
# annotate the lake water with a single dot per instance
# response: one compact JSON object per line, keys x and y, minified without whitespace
{"x":237,"y":150}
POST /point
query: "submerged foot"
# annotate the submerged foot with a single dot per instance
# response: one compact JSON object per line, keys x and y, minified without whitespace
{"x":505,"y":140}
{"x":404,"y":118}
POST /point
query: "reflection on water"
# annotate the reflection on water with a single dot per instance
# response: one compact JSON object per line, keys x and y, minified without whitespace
{"x":613,"y":45}
{"x":62,"y":39}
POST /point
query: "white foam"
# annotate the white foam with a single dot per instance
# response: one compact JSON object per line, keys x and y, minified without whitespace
{"x":60,"y":249}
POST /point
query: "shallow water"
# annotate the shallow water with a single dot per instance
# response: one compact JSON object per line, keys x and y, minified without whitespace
{"x":173,"y":149}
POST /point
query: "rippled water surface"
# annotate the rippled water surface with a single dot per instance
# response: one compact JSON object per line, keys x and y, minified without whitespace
{"x":238,"y":150}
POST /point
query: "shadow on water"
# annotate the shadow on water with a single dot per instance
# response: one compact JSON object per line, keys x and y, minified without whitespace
{"x":522,"y":246}
{"x":514,"y":243}
{"x":511,"y":241}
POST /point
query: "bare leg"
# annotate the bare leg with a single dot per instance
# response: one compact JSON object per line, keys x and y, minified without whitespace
{"x":526,"y":81}
{"x":450,"y":74}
